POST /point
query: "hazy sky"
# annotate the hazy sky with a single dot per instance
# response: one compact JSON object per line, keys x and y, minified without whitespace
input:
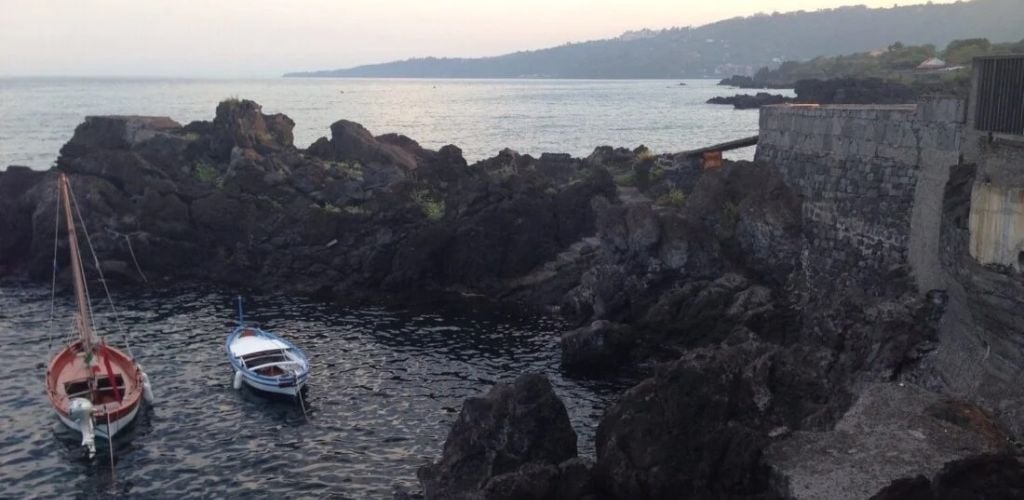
{"x":252,"y":38}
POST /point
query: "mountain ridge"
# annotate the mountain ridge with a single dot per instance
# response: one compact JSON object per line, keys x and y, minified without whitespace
{"x":738,"y":45}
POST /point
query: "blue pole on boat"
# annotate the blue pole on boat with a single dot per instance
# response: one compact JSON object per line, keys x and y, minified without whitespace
{"x":241,"y":316}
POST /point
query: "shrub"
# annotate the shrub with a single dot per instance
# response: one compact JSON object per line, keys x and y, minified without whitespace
{"x":626,"y":180}
{"x":355,"y":170}
{"x":674,"y":199}
{"x":431,"y":204}
{"x":208,"y":173}
{"x":732,"y":214}
{"x":354,"y":209}
{"x":646,"y":155}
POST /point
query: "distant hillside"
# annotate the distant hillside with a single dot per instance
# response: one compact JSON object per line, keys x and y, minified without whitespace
{"x":734,"y":46}
{"x":895,"y":63}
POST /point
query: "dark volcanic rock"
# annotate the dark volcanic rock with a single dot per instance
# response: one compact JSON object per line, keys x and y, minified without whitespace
{"x":694,"y":430}
{"x":354,"y":217}
{"x":747,"y":82}
{"x":507,"y":444}
{"x":596,"y":349}
{"x":242,"y":124}
{"x":17,"y":202}
{"x":983,"y":477}
{"x":116,"y":132}
{"x":745,"y":101}
{"x":698,"y":428}
{"x":351,"y":141}
{"x":570,"y":480}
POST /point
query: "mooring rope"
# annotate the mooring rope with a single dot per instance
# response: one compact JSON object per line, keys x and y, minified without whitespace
{"x":298,"y":392}
{"x":110,"y":444}
{"x":136,"y":261}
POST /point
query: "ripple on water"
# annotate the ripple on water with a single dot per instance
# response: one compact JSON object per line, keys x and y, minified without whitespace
{"x":386,"y":386}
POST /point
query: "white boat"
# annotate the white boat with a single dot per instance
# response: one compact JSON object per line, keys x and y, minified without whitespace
{"x":265,"y":361}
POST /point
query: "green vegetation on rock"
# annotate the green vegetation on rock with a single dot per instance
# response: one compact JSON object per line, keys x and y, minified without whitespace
{"x":430,"y":203}
{"x":673,"y":199}
{"x":208,"y":173}
{"x":627,"y":179}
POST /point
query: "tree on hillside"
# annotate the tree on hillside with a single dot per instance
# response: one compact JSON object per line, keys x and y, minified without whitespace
{"x":963,"y":51}
{"x":906,"y":57}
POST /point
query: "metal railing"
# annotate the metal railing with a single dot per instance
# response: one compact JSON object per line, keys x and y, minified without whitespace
{"x":999,"y":94}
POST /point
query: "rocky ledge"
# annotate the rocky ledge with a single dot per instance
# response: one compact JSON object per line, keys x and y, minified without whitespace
{"x":746,"y":101}
{"x":832,"y":91}
{"x":690,"y":279}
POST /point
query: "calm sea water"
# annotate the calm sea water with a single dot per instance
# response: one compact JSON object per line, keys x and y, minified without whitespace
{"x":480,"y":116}
{"x":386,"y":386}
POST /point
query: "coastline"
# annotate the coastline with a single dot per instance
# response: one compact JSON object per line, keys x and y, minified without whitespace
{"x":754,"y":317}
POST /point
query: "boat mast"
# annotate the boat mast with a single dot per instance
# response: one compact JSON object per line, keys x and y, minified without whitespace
{"x":84,"y":319}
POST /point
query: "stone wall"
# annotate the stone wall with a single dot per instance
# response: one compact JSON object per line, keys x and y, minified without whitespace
{"x":868,"y":176}
{"x":915,"y":187}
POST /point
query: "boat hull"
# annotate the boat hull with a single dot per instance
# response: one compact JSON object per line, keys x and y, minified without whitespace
{"x":100,"y":427}
{"x":71,"y":367}
{"x":274,"y":388}
{"x":250,"y":349}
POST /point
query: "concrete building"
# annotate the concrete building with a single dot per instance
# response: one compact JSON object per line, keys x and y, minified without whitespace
{"x":994,"y":141}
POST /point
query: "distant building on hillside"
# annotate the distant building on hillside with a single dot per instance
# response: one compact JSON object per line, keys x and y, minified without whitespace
{"x":932,"y":63}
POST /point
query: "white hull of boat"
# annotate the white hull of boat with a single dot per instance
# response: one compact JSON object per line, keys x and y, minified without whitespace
{"x":101,"y":425}
{"x":273,"y":388}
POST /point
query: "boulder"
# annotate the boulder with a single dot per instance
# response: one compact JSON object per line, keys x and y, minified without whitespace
{"x":241,"y":123}
{"x":116,"y":132}
{"x":351,"y":141}
{"x":596,"y":349}
{"x":982,"y":477}
{"x":506,"y":444}
{"x":697,"y":428}
{"x":569,"y":480}
{"x":688,"y":432}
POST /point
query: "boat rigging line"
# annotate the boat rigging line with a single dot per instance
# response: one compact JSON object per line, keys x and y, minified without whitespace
{"x":126,"y":335}
{"x":110,"y":444}
{"x":53,"y":284}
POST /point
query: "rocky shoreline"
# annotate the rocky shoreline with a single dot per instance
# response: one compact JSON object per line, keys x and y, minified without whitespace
{"x":814,"y":91}
{"x":693,"y":278}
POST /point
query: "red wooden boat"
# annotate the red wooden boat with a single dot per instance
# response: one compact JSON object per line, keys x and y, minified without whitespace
{"x":94,"y":387}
